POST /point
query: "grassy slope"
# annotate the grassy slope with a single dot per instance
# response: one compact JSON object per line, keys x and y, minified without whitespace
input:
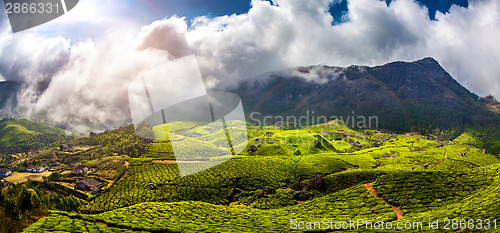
{"x":422,"y":196}
{"x":426,"y":178}
{"x":199,"y":216}
{"x":12,"y":131}
{"x":25,"y":126}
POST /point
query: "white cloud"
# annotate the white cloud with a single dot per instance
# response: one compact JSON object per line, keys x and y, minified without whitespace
{"x":89,"y":79}
{"x":91,"y":89}
{"x":465,"y":43}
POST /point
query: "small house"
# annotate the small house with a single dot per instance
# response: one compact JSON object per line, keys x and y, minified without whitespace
{"x":33,"y":153}
{"x":35,"y":169}
{"x":4,"y":172}
{"x":90,"y":184}
{"x":79,"y":169}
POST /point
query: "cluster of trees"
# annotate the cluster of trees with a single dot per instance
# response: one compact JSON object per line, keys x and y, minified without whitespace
{"x":421,"y":118}
{"x":23,"y":204}
{"x":122,"y":141}
{"x":6,"y":160}
{"x":445,"y":135}
{"x":35,"y":141}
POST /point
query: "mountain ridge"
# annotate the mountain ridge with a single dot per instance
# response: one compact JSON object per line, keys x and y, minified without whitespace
{"x":405,"y":95}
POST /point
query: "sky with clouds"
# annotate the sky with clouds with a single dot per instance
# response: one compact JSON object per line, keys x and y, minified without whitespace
{"x":75,"y":70}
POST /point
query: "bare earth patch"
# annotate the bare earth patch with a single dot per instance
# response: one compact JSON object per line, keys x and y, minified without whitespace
{"x":83,"y":148}
{"x":19,"y":177}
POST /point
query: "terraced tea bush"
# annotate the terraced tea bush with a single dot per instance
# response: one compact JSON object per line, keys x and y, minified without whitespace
{"x":311,"y":165}
{"x":343,"y":180}
{"x":423,"y":191}
{"x":159,"y":149}
{"x":359,"y":159}
{"x":452,"y":156}
{"x":140,"y":161}
{"x":339,"y":206}
{"x":281,"y":198}
{"x":471,"y":138}
{"x":62,"y":223}
{"x":203,"y":217}
{"x":162,"y":182}
{"x":482,"y":203}
{"x":481,"y":200}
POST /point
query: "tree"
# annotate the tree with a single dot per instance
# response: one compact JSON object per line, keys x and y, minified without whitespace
{"x":317,"y":182}
{"x":55,"y":176}
{"x":24,"y":200}
{"x":12,"y":210}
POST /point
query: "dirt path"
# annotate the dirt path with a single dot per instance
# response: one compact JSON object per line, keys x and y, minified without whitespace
{"x":446,"y":154}
{"x":65,"y":184}
{"x":397,"y":210}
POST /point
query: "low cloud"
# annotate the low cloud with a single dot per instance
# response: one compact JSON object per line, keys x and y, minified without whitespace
{"x":83,"y":86}
{"x":317,"y":74}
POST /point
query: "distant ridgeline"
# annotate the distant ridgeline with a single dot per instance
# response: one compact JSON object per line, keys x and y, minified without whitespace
{"x":403,"y":96}
{"x":415,"y":96}
{"x":8,"y":94}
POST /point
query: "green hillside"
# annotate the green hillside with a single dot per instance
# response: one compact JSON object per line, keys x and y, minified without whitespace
{"x":281,"y":178}
{"x":422,"y":196}
{"x":22,"y":135}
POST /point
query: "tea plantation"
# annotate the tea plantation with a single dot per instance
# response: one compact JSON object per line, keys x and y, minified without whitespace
{"x":162,"y":182}
{"x":470,"y":201}
{"x":284,"y":177}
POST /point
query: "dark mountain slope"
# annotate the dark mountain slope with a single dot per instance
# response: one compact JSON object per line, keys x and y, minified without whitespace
{"x":8,"y":94}
{"x":404,"y":96}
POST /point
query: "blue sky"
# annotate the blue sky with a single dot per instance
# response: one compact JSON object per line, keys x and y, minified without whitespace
{"x":193,"y":8}
{"x":189,"y":8}
{"x":143,"y":12}
{"x":339,"y":9}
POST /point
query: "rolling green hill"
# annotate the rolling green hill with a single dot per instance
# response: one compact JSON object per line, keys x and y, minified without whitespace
{"x":308,"y":174}
{"x":339,"y":174}
{"x":423,"y":197}
{"x":22,"y":135}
